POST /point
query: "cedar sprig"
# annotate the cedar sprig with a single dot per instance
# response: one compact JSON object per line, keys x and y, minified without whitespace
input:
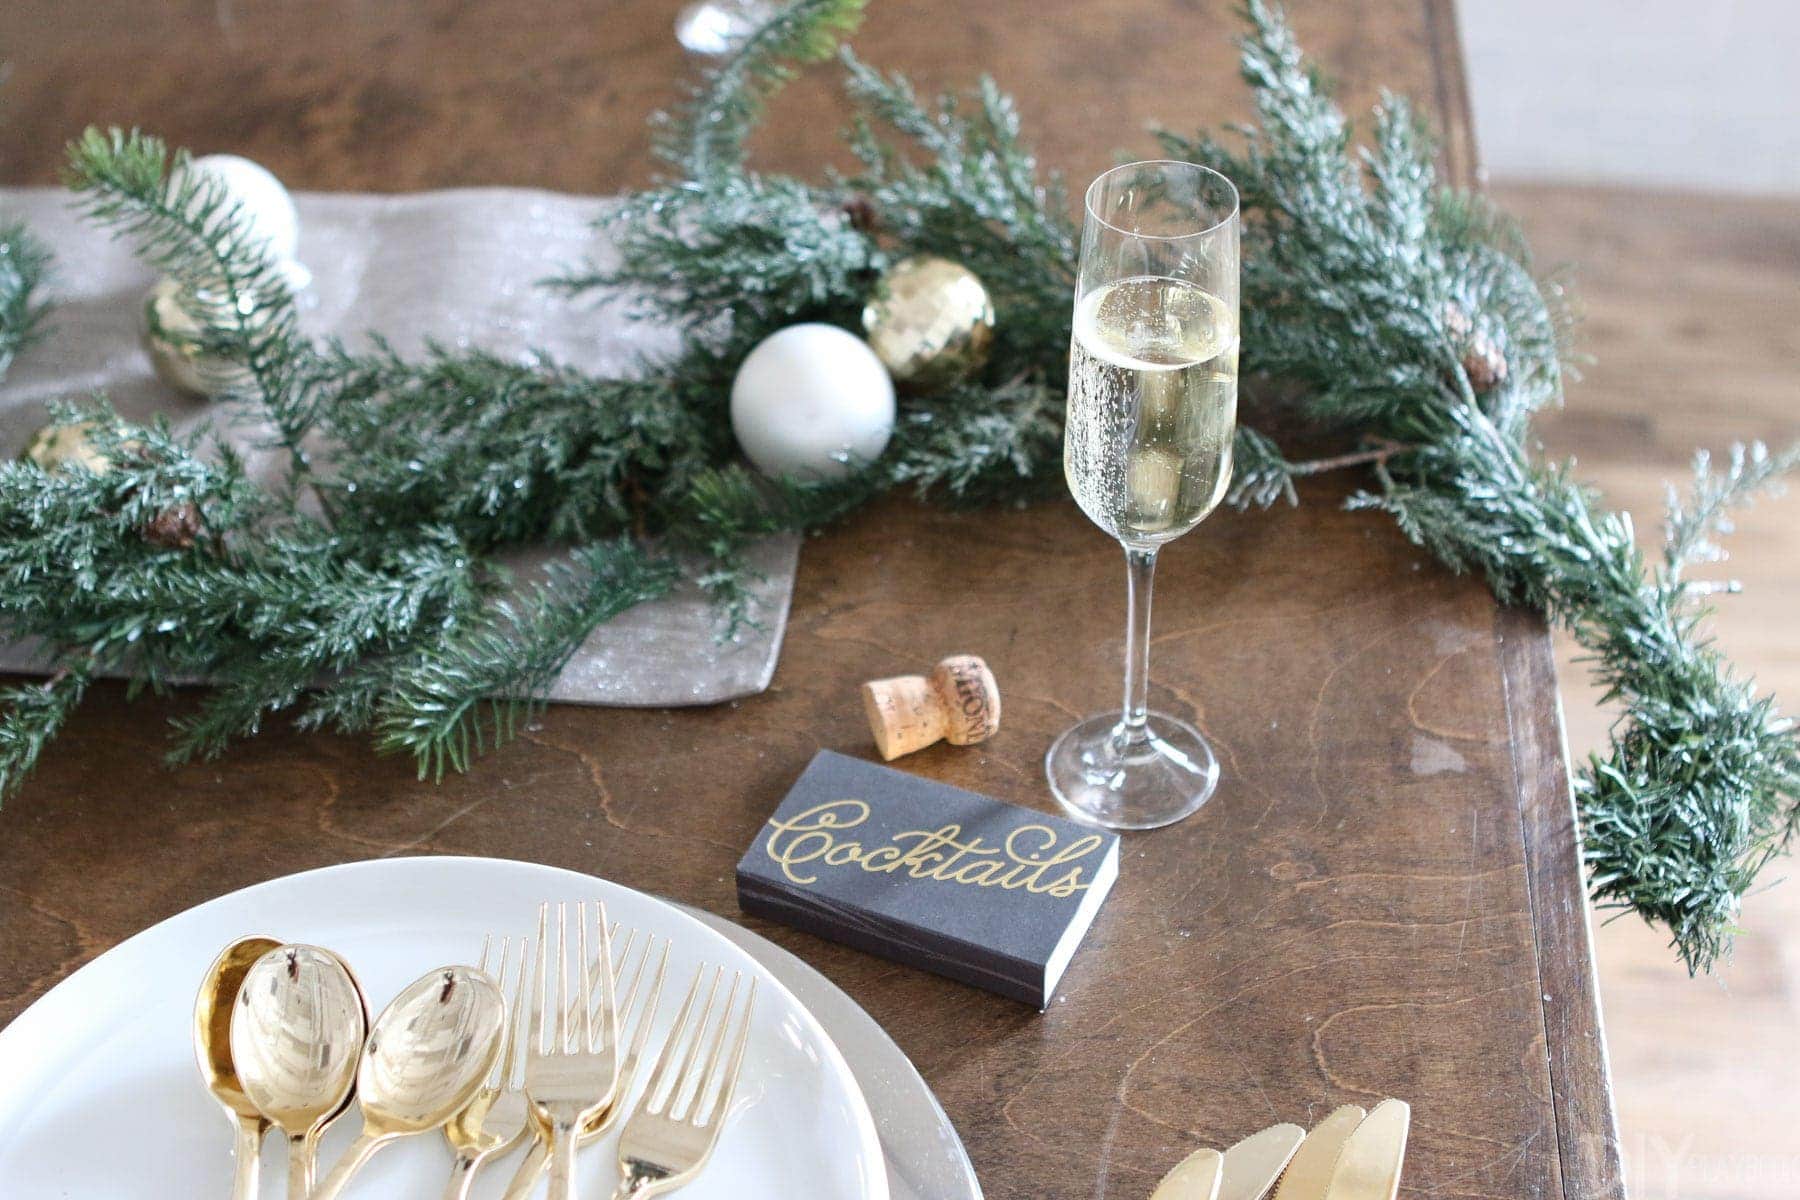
{"x":507,"y":451}
{"x":1694,"y":524}
{"x":31,"y":714}
{"x":331,"y":614}
{"x":474,"y":689}
{"x":768,"y":251}
{"x":186,"y":225}
{"x":265,"y":602}
{"x":1367,"y":283}
{"x":24,"y":268}
{"x":705,"y":138}
{"x":1261,"y":476}
{"x":973,"y":446}
{"x":962,"y":183}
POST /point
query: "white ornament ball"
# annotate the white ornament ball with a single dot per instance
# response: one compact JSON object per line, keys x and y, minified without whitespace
{"x":812,"y":401}
{"x":264,"y":202}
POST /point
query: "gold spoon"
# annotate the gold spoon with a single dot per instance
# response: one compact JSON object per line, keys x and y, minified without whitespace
{"x":297,"y":1031}
{"x":212,"y":1048}
{"x":428,"y":1053}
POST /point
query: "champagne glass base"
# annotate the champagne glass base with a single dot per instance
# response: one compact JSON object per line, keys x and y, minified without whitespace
{"x":1103,"y":777}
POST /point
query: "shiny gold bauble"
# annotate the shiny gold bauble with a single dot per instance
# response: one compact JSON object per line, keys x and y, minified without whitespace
{"x":172,"y":338}
{"x":930,"y":321}
{"x":55,"y":447}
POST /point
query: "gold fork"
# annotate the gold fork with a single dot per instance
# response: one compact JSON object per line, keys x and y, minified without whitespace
{"x":576,"y":1074}
{"x":673,"y":1130}
{"x":495,"y":1120}
{"x":634,"y":1020}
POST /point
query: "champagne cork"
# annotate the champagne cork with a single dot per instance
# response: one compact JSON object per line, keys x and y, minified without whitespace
{"x":959,"y":703}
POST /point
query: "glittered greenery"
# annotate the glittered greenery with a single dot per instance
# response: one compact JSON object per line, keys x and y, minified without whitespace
{"x":1393,"y":316}
{"x":24,"y":265}
{"x":704,"y":139}
{"x":1370,"y":286}
{"x":1370,"y":294}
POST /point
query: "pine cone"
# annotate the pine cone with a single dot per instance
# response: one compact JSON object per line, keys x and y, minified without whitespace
{"x":1482,"y":360}
{"x":174,"y":528}
{"x":1483,"y":363}
{"x":860,"y":210}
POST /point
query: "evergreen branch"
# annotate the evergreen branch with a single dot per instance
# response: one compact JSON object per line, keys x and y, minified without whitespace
{"x":974,"y":446}
{"x":1369,"y":287}
{"x":24,"y":265}
{"x":706,"y":138}
{"x":264,"y":602}
{"x":977,"y":199}
{"x":1260,"y":474}
{"x":723,"y":510}
{"x":30,"y":715}
{"x":506,"y":452}
{"x":1693,"y":527}
{"x":769,"y":251}
{"x":470,"y":693}
{"x":187,"y":226}
{"x":328,"y":615}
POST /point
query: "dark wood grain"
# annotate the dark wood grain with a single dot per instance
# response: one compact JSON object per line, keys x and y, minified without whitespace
{"x":1383,"y":898}
{"x":1587,"y":1129}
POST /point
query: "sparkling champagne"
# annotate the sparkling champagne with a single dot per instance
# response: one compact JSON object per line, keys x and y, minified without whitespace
{"x":1152,"y":406}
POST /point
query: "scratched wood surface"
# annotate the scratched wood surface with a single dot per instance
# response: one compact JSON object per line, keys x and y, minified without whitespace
{"x":1383,"y":898}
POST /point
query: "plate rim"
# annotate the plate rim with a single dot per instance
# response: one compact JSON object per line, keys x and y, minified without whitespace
{"x":875,"y":1185}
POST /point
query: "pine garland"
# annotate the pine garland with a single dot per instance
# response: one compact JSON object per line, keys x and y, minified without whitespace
{"x":1372,"y":287}
{"x":360,"y":593}
{"x":1373,"y":296}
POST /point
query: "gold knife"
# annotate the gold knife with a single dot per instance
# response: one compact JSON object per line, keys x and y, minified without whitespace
{"x":1254,"y":1164}
{"x":1195,"y":1177}
{"x":1369,"y":1167}
{"x":1309,"y":1172}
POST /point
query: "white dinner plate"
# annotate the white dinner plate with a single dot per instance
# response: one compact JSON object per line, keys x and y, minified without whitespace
{"x":100,"y":1096}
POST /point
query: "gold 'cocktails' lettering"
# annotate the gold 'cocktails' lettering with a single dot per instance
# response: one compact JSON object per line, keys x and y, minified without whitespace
{"x":1029,"y":859}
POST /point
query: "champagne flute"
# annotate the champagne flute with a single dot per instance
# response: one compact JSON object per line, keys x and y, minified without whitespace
{"x":1147,"y":451}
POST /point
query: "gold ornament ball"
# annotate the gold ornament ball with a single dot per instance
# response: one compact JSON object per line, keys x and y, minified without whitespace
{"x":56,"y":447}
{"x":930,"y":321}
{"x":171,"y":337}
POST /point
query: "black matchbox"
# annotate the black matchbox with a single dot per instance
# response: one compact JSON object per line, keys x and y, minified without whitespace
{"x":929,"y":875}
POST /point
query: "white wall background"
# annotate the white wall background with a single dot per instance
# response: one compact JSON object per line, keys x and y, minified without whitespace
{"x":1693,"y":94}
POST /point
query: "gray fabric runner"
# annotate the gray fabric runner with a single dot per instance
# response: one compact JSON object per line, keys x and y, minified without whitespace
{"x":458,"y":267}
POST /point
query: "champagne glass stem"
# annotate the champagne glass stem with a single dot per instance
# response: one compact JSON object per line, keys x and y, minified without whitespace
{"x":1140,"y":578}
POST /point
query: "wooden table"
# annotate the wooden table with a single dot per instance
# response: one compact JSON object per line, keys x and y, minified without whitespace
{"x":1383,"y":898}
